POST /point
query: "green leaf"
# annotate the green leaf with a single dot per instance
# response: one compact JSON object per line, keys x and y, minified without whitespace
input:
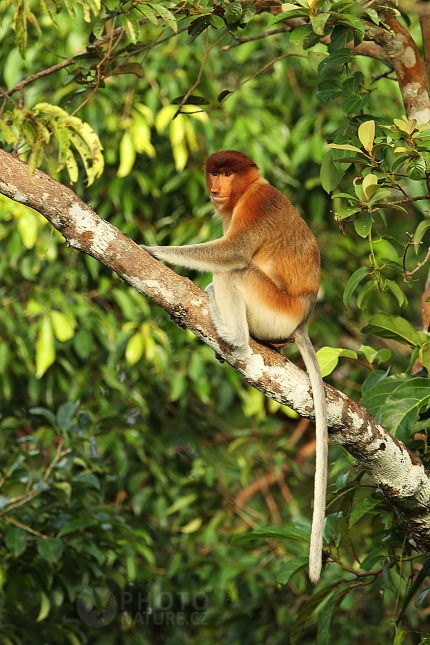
{"x":344,"y":146}
{"x":16,"y":540}
{"x":300,"y":33}
{"x":288,"y":15}
{"x":376,"y":390}
{"x":326,"y":616}
{"x":397,"y":246}
{"x":318,"y":23}
{"x":346,"y":212}
{"x":233,"y":12}
{"x":149,"y":12}
{"x":395,"y":290}
{"x":248,"y":12}
{"x":217,"y":22}
{"x":329,"y":175}
{"x":131,"y":26}
{"x":360,"y":509}
{"x":393,"y":327}
{"x":387,"y":578}
{"x":366,"y":134}
{"x":292,"y":531}
{"x":197,"y":27}
{"x":328,"y":358}
{"x":354,"y":22}
{"x":420,"y":231}
{"x":375,"y":557}
{"x":416,"y":168}
{"x":193,"y":99}
{"x":365,"y":295}
{"x":134,"y":349}
{"x":339,"y":37}
{"x":383,"y":355}
{"x":77,"y":524}
{"x":424,"y":355}
{"x":45,"y":606}
{"x":50,"y":550}
{"x":373,"y":379}
{"x":290,"y":568}
{"x":339,"y":57}
{"x":373,"y":15}
{"x":353,"y":84}
{"x":308,"y":608}
{"x":45,"y":347}
{"x":180,"y":503}
{"x":45,"y":413}
{"x":310,"y":40}
{"x":425,"y":571}
{"x":352,"y":284}
{"x":339,"y":155}
{"x":328,"y":90}
{"x":363,"y":224}
{"x":369,"y":352}
{"x":354,"y":104}
{"x":223,"y":94}
{"x":166,"y":15}
{"x":88,"y":479}
{"x":130,"y":68}
{"x":65,"y":415}
{"x":314,"y":59}
{"x":402,"y":407}
{"x":62,"y":325}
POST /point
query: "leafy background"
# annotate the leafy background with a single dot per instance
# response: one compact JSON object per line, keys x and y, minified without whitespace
{"x":130,"y":459}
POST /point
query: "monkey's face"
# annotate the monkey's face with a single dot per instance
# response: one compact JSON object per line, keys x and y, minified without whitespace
{"x":220,"y":186}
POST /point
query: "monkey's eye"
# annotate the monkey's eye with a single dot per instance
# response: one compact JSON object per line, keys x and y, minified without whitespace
{"x":228,"y":174}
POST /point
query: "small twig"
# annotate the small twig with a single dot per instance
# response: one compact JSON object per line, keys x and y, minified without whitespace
{"x":26,"y":528}
{"x":98,"y":68}
{"x":57,"y":456}
{"x":407,"y":201}
{"x":419,"y":266}
{"x":23,"y":499}
{"x":358,"y":575}
{"x":406,"y":274}
{"x":7,"y":98}
{"x":241,"y":41}
{"x":49,"y":244}
{"x":261,"y":71}
{"x":71,"y":61}
{"x":376,"y":77}
{"x":199,"y":77}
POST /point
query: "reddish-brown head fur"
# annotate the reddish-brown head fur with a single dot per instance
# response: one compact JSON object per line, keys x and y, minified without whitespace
{"x":228,"y":174}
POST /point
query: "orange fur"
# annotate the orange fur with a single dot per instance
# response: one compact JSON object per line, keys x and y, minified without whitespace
{"x":285,"y":264}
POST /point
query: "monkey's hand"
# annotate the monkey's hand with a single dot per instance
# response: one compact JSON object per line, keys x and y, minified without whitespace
{"x":152,"y":250}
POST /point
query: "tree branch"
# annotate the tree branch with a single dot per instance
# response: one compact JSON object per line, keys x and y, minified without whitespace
{"x":404,"y":56}
{"x":399,"y":473}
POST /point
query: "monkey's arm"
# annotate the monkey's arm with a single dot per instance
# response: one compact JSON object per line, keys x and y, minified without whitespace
{"x":226,"y":254}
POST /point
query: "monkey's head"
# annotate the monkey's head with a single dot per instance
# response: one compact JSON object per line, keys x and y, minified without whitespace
{"x":228,"y":174}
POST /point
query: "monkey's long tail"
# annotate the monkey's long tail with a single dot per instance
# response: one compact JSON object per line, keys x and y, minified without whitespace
{"x":320,"y":484}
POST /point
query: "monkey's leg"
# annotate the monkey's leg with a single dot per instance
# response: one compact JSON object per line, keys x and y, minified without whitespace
{"x":227,"y":309}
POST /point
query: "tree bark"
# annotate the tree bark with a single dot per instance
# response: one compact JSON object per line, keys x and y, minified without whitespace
{"x":398,"y":472}
{"x":403,"y":54}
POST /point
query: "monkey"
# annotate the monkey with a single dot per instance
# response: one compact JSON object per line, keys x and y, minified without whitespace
{"x":266,"y":275}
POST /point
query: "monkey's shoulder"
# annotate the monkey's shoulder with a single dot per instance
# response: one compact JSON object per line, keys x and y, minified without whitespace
{"x":275,"y":204}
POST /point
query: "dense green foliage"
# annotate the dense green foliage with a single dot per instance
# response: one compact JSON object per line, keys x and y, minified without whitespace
{"x":130,"y":459}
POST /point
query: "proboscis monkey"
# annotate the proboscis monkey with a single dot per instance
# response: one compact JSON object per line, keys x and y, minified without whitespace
{"x":266,"y":275}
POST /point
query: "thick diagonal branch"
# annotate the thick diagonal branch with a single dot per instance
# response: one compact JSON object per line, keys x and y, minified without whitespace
{"x":399,"y":473}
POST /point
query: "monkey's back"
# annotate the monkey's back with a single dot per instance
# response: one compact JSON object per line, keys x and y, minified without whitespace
{"x":285,"y":248}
